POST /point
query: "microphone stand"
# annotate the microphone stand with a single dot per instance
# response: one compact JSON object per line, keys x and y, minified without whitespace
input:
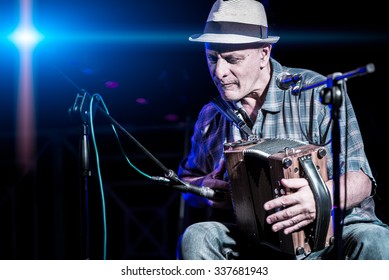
{"x":332,"y":95}
{"x":80,"y":109}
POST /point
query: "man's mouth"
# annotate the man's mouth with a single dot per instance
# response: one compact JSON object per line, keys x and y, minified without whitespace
{"x":227,"y":85}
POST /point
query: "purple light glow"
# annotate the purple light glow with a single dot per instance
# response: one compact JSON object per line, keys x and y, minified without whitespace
{"x":111,"y":84}
{"x":171,"y":117}
{"x":142,"y":101}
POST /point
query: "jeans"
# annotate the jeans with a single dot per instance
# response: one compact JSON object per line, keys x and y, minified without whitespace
{"x":217,"y":241}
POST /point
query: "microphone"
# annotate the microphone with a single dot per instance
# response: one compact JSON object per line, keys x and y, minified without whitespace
{"x":285,"y":80}
{"x":207,"y":192}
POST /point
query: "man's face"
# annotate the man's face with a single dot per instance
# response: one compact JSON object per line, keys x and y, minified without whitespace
{"x":235,"y":70}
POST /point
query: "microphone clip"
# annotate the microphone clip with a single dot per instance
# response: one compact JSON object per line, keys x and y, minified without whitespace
{"x":285,"y":81}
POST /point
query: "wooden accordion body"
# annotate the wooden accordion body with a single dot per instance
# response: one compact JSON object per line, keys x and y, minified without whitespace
{"x":255,"y":169}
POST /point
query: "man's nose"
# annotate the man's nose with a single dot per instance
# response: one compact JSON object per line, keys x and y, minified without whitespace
{"x":221,"y":68}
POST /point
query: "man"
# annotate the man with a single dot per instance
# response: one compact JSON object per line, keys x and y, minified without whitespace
{"x":238,"y":52}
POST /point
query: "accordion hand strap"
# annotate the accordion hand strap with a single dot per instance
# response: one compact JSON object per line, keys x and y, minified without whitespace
{"x":322,"y":200}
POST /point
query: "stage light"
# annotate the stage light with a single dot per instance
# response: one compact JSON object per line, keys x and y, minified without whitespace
{"x":25,"y":36}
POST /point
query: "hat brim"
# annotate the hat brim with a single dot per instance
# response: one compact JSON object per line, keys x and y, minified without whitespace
{"x":230,"y":39}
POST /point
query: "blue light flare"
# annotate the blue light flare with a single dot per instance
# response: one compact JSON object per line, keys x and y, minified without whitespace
{"x":25,"y":36}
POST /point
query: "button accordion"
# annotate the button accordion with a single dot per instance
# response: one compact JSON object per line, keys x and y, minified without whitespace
{"x":255,"y":169}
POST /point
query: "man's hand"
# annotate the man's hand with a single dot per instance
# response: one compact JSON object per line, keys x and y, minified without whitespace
{"x":296,"y":209}
{"x":215,"y":181}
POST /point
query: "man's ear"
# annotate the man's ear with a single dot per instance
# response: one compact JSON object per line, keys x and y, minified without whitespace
{"x":264,"y":53}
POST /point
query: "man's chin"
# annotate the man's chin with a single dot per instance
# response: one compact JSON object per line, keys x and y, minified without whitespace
{"x":229,"y":95}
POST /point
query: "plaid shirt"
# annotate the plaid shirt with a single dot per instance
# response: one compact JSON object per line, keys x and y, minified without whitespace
{"x":283,"y":115}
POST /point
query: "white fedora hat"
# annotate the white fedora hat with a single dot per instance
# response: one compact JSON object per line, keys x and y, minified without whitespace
{"x":235,"y":22}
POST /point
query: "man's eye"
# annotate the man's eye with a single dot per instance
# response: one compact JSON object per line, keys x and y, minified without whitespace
{"x":233,"y":60}
{"x":230,"y":60}
{"x":212,"y":59}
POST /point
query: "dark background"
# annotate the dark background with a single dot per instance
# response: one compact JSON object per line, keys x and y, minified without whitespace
{"x":142,"y":47}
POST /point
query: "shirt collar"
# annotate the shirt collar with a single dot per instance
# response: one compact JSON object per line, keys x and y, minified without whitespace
{"x":274,"y":97}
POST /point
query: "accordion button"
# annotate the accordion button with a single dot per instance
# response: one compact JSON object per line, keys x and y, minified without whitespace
{"x":321,"y":153}
{"x":286,"y":163}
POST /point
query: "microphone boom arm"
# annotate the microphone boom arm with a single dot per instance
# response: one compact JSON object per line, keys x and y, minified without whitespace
{"x":332,"y":79}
